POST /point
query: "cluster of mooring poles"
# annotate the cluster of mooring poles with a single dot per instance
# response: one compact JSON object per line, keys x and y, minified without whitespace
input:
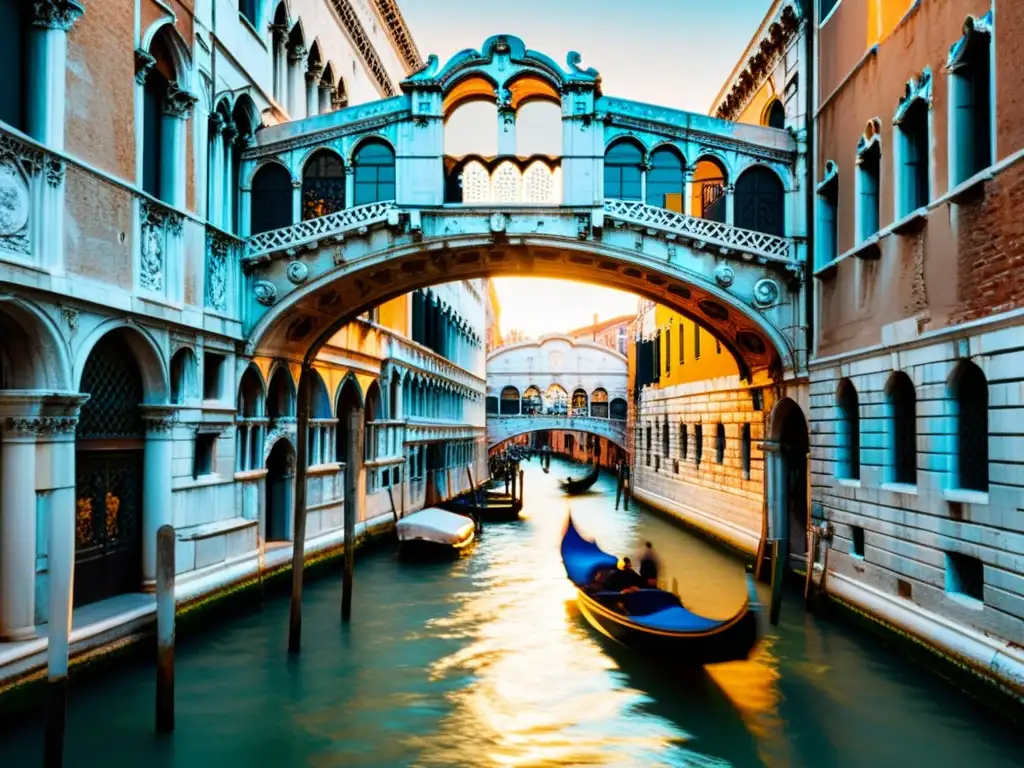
{"x":623,"y":485}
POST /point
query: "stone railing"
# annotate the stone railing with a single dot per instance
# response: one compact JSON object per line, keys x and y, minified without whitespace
{"x":701,"y":231}
{"x":310,"y":233}
{"x":501,"y":428}
{"x":412,"y":356}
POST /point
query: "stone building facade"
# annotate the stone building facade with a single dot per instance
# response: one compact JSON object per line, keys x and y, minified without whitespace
{"x":916,"y":377}
{"x":127,"y":398}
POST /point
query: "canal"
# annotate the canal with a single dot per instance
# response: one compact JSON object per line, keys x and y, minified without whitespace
{"x":486,"y":662}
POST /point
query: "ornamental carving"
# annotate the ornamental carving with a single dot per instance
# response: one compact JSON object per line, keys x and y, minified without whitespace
{"x":919,"y":87}
{"x":265,"y":293}
{"x":766,"y":292}
{"x":217,"y":256}
{"x":53,"y":169}
{"x":973,"y":28}
{"x":40,"y":425}
{"x":151,"y":247}
{"x":297,"y":272}
{"x":144,"y":62}
{"x":178,"y":102}
{"x":56,"y":14}
{"x":14,"y":208}
{"x":725,"y":275}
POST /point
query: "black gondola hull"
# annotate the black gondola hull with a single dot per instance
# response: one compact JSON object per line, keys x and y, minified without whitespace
{"x":731,"y":643}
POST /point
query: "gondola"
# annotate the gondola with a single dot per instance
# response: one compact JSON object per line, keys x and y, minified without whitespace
{"x":434,"y":534}
{"x":492,"y":508}
{"x":573,"y":487}
{"x":652,"y":620}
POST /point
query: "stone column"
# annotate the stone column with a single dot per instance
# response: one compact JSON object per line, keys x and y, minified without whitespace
{"x":350,"y":185}
{"x":326,"y":99}
{"x":18,"y":522}
{"x":46,"y":62}
{"x":506,"y":128}
{"x":279,"y":36}
{"x":296,"y":84}
{"x":297,"y":201}
{"x":730,"y":204}
{"x":215,"y":172}
{"x":313,"y":89}
{"x":178,"y":105}
{"x":228,"y":181}
{"x":156,"y":482}
{"x":688,"y":192}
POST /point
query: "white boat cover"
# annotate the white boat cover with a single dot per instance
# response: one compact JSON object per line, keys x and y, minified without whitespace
{"x":435,"y":525}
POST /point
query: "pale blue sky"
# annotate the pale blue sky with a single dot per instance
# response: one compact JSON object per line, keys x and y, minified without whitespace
{"x":676,"y":53}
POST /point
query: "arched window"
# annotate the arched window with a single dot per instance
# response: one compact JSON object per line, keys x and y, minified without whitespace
{"x":328,"y":89}
{"x":279,"y":53}
{"x":708,"y":190}
{"x":579,"y":402}
{"x":902,"y":411}
{"x":970,"y":83}
{"x":13,"y":26}
{"x":599,"y":403}
{"x":281,"y":395}
{"x":471,"y":129}
{"x":183,"y":376}
{"x":371,"y":413}
{"x":848,"y":453}
{"x":323,"y":185}
{"x":492,"y":405}
{"x":539,"y":184}
{"x":247,"y":9}
{"x":556,"y":401}
{"x":507,"y":183}
{"x":271,"y":199}
{"x":623,"y":171}
{"x":509,"y":401}
{"x":314,"y":71}
{"x":913,"y":145}
{"x":154,"y":91}
{"x":775,"y":115}
{"x":374,"y":173}
{"x":827,"y":202}
{"x":760,"y":202}
{"x":166,"y":106}
{"x":869,"y":170}
{"x":970,"y":400}
{"x":666,"y":184}
{"x":684,"y":439}
{"x":720,"y":443}
{"x":250,"y":425}
{"x":617,"y":409}
{"x":296,"y":55}
{"x":539,"y":128}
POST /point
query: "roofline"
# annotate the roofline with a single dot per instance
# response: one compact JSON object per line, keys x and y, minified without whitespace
{"x":741,"y":62}
{"x":398,"y":31}
{"x":601,"y":325}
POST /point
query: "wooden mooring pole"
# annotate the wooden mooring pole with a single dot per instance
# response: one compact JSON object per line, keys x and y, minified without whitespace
{"x":618,"y":486}
{"x":165,"y":610}
{"x":355,"y":488}
{"x":522,"y":486}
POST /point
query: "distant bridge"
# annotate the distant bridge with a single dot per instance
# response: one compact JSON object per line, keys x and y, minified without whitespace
{"x":502,"y":428}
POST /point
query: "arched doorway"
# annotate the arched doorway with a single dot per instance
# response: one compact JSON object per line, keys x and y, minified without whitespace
{"x":280,"y":490}
{"x":270,"y":199}
{"x":108,"y":474}
{"x":789,"y":429}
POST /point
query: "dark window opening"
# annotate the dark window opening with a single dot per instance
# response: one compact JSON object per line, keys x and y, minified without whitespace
{"x":776,"y":117}
{"x":323,"y":185}
{"x":270,"y":199}
{"x":965,"y":576}
{"x":760,"y":201}
{"x":745,"y":450}
{"x":492,"y":406}
{"x":153,"y":93}
{"x":858,"y":541}
{"x":870,"y":162}
{"x":664,"y":438}
{"x":213,"y":366}
{"x":913,"y":132}
{"x":825,"y":8}
{"x":13,"y":90}
{"x":848,"y":466}
{"x":970,"y":85}
{"x":683,"y":441}
{"x":903,"y":409}
{"x":668,"y":351}
{"x":374,"y":173}
{"x":828,"y":220}
{"x":666,"y":182}
{"x":720,"y":443}
{"x":696,"y":342}
{"x":971,"y":393}
{"x":698,"y":444}
{"x":205,"y":452}
{"x":248,"y":9}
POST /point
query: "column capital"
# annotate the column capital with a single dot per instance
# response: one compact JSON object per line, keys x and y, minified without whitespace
{"x":159,"y":419}
{"x":56,"y":14}
{"x":314,"y":72}
{"x":217,"y":122}
{"x":178,"y":102}
{"x":144,"y":62}
{"x":296,"y":52}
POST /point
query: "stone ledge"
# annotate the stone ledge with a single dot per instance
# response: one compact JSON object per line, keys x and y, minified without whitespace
{"x":208,"y":530}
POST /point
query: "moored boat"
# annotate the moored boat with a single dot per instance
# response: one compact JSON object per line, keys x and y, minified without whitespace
{"x":434,"y":533}
{"x":653,"y":620}
{"x":491,"y":508}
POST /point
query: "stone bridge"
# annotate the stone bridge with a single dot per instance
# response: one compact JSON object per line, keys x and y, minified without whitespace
{"x":502,"y":428}
{"x":628,"y":204}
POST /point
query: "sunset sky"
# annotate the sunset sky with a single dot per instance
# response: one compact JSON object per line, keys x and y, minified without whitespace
{"x":676,"y":53}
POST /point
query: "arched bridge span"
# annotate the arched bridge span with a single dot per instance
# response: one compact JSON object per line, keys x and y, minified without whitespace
{"x":502,"y":428}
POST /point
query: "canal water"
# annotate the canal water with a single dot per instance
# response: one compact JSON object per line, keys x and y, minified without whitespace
{"x":487,"y":662}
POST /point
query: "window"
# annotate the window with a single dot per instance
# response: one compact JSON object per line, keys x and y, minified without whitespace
{"x":696,"y":342}
{"x":656,"y":372}
{"x":684,"y":439}
{"x":760,"y":201}
{"x":682,"y":344}
{"x":775,"y":115}
{"x":857,"y":545}
{"x":183,"y":376}
{"x":825,"y":7}
{"x":708,"y":190}
{"x":213,"y":366}
{"x":827,"y":249}
{"x":666,"y":183}
{"x":911,"y":122}
{"x":247,"y":8}
{"x":510,"y":401}
{"x":970,"y":83}
{"x":270,"y":199}
{"x":617,"y":409}
{"x":13,"y":25}
{"x":492,"y":405}
{"x":698,"y":444}
{"x":205,"y":452}
{"x":970,"y":405}
{"x":323,"y":185}
{"x":965,"y":576}
{"x":720,"y":443}
{"x":153,"y":92}
{"x":745,"y":450}
{"x":869,"y":168}
{"x":668,"y":351}
{"x":622,"y":171}
{"x":374,"y":173}
{"x":664,"y":438}
{"x":902,"y":405}
{"x":848,"y":443}
{"x":599,"y":403}
{"x":166,"y":106}
{"x":249,"y":424}
{"x":648,"y":444}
